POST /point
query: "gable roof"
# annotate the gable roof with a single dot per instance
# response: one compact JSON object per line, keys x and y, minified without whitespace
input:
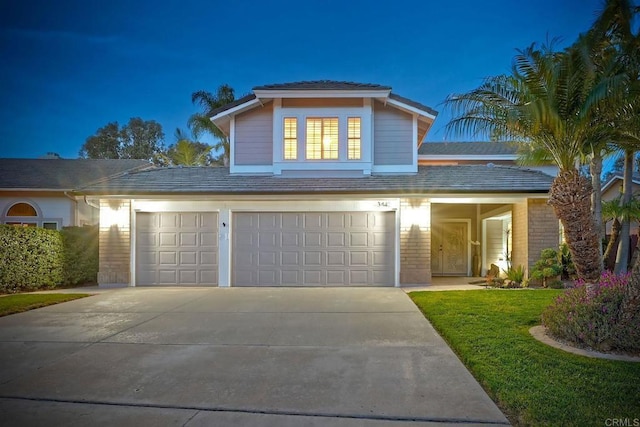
{"x":61,"y":174}
{"x":320,"y":85}
{"x":619,"y":177}
{"x":468,"y":149}
{"x":428,"y":180}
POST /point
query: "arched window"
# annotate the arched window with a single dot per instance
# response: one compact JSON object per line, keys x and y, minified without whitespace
{"x":22,"y":209}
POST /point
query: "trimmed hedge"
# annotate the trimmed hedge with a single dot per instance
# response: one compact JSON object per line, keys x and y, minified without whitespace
{"x":80,"y":254}
{"x":34,"y":258}
{"x":30,"y":258}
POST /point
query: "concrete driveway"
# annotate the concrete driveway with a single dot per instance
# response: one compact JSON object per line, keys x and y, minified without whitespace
{"x":238,"y":356}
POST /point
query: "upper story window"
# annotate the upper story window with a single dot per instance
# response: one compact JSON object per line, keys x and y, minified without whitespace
{"x":290,"y":138}
{"x":322,"y":138}
{"x":353,"y":138}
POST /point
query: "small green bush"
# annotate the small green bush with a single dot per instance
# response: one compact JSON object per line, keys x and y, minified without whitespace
{"x":515,"y":276}
{"x":80,"y":254}
{"x":547,"y":267}
{"x":30,"y":258}
{"x":594,"y":317}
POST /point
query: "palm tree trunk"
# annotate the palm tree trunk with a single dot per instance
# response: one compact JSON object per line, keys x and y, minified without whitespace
{"x":570,"y":196}
{"x":613,"y":241}
{"x":622,"y":257}
{"x":595,"y":167}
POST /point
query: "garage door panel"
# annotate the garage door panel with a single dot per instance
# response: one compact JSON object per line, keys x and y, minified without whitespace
{"x":313,"y":248}
{"x":360,"y":239}
{"x":312,"y":239}
{"x":335,"y":258}
{"x":208,"y":240}
{"x":177,"y":248}
{"x":168,"y":258}
{"x":188,"y":239}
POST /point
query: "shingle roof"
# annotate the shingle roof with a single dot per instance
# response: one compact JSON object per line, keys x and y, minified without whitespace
{"x":322,"y":85}
{"x":61,"y":174}
{"x":413,"y":104}
{"x":429,"y":179}
{"x":468,"y":148}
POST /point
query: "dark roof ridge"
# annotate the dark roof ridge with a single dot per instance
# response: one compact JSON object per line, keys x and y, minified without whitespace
{"x":322,"y":85}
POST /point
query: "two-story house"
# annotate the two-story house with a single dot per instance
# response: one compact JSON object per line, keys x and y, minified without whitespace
{"x":324,"y":188}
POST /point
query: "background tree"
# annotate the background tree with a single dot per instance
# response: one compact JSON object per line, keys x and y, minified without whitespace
{"x":138,"y":139}
{"x":186,"y":152}
{"x":200,"y":123}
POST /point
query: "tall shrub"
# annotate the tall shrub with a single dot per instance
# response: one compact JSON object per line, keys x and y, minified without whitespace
{"x":80,"y":254}
{"x":30,"y":258}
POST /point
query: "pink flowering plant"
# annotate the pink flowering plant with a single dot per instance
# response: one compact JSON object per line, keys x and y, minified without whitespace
{"x":592,"y":317}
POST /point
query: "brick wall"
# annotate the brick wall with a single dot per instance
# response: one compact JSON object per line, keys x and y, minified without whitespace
{"x":535,"y":227}
{"x":415,"y":241}
{"x":543,"y":228}
{"x":115,"y":242}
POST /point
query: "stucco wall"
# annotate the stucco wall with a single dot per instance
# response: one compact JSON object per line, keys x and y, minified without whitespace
{"x":115,"y":242}
{"x":415,"y":241}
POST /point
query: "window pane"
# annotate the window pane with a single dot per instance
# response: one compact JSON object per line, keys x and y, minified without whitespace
{"x":353,"y":138}
{"x":50,"y":225}
{"x":314,"y":139}
{"x":330,"y":138}
{"x":22,"y":209}
{"x":290,"y":138}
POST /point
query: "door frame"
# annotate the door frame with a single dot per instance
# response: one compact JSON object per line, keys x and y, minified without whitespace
{"x":458,"y":220}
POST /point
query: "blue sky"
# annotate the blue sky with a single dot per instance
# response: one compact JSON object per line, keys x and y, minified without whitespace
{"x":70,"y":67}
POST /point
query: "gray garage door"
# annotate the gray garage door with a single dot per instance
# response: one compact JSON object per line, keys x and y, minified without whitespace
{"x":177,"y":248}
{"x":313,"y":249}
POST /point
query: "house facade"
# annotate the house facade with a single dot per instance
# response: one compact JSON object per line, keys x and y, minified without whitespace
{"x":38,"y":192}
{"x":324,"y":188}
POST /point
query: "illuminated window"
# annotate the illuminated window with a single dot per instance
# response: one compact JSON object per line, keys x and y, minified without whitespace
{"x":290,"y":138}
{"x":22,"y":209}
{"x":353,"y":138}
{"x":322,"y":138}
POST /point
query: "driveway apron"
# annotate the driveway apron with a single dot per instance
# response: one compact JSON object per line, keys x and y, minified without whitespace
{"x":235,"y":356}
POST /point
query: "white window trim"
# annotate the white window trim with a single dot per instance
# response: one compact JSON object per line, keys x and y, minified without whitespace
{"x":342,"y":113}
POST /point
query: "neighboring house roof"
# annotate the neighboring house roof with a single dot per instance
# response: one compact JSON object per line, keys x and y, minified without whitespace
{"x":61,"y":174}
{"x":429,"y":179}
{"x":618,"y":177}
{"x":468,"y":149}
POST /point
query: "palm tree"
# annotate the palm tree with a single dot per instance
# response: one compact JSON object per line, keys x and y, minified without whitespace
{"x":200,"y":122}
{"x":614,"y":41}
{"x":186,"y":152}
{"x":549,"y":102}
{"x":617,"y":212}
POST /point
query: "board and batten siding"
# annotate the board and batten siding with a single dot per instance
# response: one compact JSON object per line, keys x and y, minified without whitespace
{"x":254,"y":137}
{"x":392,"y":136}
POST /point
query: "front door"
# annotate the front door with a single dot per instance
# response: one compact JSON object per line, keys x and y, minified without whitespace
{"x":449,"y":256}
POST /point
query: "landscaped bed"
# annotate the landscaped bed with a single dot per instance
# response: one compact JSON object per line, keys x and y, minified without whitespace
{"x":532,"y":383}
{"x":11,"y":304}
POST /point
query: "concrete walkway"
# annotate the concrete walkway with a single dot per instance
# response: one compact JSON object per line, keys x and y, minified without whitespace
{"x":238,"y":356}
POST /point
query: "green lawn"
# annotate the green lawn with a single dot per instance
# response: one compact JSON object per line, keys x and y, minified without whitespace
{"x":11,"y":304}
{"x":531,"y":382}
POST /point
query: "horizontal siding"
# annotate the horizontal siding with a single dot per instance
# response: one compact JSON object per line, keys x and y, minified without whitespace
{"x":321,"y":102}
{"x":254,"y":137}
{"x":392,"y":136}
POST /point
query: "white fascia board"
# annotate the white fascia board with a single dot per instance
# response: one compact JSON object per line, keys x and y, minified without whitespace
{"x":410,"y":108}
{"x":467,"y":157}
{"x":237,"y":109}
{"x":614,"y":180}
{"x":322,"y":93}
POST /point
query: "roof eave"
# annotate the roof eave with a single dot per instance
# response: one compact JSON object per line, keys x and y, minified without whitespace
{"x":322,"y":93}
{"x":411,"y":109}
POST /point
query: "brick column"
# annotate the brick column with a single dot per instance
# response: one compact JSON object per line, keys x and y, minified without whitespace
{"x":535,"y":227}
{"x":415,"y":241}
{"x":114,"y":243}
